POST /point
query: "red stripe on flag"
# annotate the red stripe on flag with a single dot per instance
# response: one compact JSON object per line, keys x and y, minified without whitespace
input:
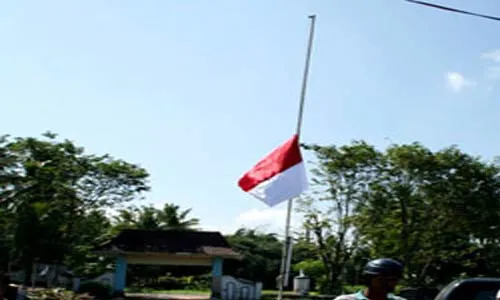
{"x":282,"y":158}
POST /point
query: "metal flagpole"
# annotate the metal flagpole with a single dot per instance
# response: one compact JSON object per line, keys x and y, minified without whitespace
{"x":284,"y":271}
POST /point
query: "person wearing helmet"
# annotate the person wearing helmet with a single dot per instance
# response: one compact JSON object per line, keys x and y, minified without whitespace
{"x":381,"y":277}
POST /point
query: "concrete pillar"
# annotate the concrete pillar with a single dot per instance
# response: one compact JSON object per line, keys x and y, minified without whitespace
{"x":217,"y":263}
{"x":120,"y":274}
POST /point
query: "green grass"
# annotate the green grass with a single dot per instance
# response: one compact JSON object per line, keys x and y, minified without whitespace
{"x":170,"y":292}
{"x":275,"y":292}
{"x":184,"y":292}
{"x":348,"y":289}
{"x":197,"y":292}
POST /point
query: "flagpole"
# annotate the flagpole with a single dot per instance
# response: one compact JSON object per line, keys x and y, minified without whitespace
{"x":306,"y":74}
{"x":287,"y":245}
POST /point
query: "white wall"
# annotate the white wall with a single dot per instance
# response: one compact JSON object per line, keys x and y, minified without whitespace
{"x":234,"y":289}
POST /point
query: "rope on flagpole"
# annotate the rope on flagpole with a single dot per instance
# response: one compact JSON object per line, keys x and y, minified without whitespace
{"x":285,"y":266}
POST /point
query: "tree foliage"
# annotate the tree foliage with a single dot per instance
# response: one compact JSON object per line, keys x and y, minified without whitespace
{"x":151,"y":218}
{"x":340,"y":182}
{"x":262,"y":256}
{"x":434,"y":211}
{"x":49,"y":190}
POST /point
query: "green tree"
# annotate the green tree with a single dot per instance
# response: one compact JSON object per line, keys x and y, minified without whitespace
{"x":340,"y":181}
{"x":147,"y":217}
{"x":49,"y":186}
{"x":91,"y":230}
{"x":143,"y":217}
{"x":397,"y":213}
{"x":305,"y":258}
{"x":8,"y":178}
{"x":431,"y":209}
{"x":437,"y":212}
{"x":262,"y":256}
{"x":172,"y":217}
{"x":150,"y":218}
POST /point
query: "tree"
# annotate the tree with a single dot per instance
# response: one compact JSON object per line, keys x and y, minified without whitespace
{"x":311,"y":265}
{"x":431,"y":210}
{"x":436,"y":212}
{"x":8,"y":178}
{"x":396,"y":196}
{"x":147,"y":217}
{"x":173,"y":218}
{"x":93,"y":229}
{"x":340,"y":181}
{"x":150,"y":218}
{"x":143,"y":217}
{"x":261,"y":256}
{"x":48,"y":188}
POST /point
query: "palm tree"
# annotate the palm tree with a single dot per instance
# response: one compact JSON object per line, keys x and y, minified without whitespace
{"x":144,"y":217}
{"x":151,"y":218}
{"x":171,"y":217}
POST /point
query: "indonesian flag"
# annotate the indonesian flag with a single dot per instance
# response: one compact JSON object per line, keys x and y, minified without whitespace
{"x":279,"y":176}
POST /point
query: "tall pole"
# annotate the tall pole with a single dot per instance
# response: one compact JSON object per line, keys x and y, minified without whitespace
{"x":306,"y":74}
{"x":287,"y":245}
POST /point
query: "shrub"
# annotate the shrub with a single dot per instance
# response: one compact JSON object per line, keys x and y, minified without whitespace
{"x":169,"y":282}
{"x":53,"y":294}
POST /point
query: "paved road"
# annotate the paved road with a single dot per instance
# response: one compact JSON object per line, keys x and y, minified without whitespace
{"x":167,"y":296}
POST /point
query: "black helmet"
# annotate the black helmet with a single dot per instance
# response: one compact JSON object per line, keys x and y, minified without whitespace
{"x":383,"y":266}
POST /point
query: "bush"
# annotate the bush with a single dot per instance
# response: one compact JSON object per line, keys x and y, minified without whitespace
{"x":98,"y":290}
{"x":53,"y":294}
{"x":169,"y":282}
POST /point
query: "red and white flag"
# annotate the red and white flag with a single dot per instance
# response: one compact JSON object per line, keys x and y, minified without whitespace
{"x":279,"y":176}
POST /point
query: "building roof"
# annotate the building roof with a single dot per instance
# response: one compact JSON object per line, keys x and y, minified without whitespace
{"x":173,"y":241}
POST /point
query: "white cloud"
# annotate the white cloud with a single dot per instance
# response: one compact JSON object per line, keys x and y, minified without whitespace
{"x":493,"y":72}
{"x":457,"y":82}
{"x":493,"y":55}
{"x":266,"y":219}
{"x":215,"y":228}
{"x":257,"y":216}
{"x":489,"y":90}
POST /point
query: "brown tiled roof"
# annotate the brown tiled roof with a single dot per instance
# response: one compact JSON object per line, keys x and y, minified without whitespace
{"x":170,"y":241}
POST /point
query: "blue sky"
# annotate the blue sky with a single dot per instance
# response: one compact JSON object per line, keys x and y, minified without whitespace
{"x":198,"y":91}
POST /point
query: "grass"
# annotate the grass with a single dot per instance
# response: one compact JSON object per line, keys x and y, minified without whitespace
{"x":184,"y":292}
{"x":198,"y":292}
{"x":195,"y":292}
{"x":275,"y":292}
{"x":170,"y":292}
